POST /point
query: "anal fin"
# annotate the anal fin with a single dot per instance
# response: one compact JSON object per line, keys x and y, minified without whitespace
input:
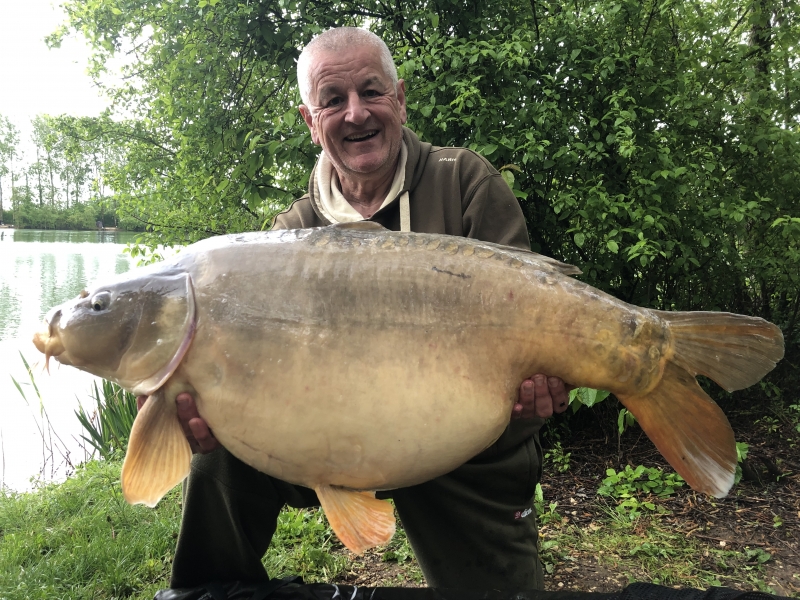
{"x":689,"y":430}
{"x":158,"y":456}
{"x":359,"y":520}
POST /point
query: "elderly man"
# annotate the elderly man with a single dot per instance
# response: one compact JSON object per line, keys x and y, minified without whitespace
{"x":473,"y":527}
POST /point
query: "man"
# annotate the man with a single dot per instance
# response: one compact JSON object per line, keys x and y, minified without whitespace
{"x":473,"y":527}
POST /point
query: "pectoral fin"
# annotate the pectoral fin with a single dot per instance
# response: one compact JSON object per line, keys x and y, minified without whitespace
{"x":358,"y":519}
{"x":159,"y":456}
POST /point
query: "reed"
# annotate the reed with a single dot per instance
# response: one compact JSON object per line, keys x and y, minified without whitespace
{"x":108,"y":427}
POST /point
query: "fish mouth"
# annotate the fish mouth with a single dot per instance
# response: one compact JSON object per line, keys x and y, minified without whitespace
{"x":46,"y":342}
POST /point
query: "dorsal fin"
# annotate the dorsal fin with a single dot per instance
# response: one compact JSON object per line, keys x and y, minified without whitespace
{"x":541,"y":261}
{"x":552,"y":263}
{"x":360,"y":226}
{"x":531,"y":258}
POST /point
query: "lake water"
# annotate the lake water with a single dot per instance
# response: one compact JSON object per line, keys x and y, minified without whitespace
{"x":39,"y":269}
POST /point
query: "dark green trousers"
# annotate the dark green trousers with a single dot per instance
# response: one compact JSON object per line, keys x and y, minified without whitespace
{"x":471,"y":528}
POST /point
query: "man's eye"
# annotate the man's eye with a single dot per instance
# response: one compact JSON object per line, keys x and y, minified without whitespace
{"x":334,"y":102}
{"x":372,"y":93}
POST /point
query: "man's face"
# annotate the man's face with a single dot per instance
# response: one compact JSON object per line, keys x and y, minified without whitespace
{"x":355,"y":112}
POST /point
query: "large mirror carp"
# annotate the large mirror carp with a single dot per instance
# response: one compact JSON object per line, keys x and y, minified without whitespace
{"x":350,"y":359}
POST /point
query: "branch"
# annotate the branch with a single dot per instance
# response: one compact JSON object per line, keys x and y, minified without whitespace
{"x":535,"y":22}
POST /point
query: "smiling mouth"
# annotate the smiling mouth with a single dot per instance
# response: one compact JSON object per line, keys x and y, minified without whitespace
{"x":361,"y":137}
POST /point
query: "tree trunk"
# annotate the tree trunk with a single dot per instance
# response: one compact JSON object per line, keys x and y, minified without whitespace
{"x":52,"y":185}
{"x":39,"y":176}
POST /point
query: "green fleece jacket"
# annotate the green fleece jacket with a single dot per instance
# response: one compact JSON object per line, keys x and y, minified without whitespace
{"x":452,"y":191}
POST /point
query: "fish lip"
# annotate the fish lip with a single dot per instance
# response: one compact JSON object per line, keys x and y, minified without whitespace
{"x":47,"y":340}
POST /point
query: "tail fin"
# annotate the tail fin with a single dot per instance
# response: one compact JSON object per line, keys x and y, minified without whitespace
{"x":689,"y":430}
{"x":687,"y":427}
{"x":734,"y":350}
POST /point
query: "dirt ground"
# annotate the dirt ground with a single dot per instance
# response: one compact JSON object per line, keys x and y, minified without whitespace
{"x":761,"y":517}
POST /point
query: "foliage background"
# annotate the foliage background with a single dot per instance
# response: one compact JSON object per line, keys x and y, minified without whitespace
{"x":652,"y":143}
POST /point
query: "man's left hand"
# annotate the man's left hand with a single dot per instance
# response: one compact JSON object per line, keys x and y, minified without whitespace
{"x":541,"y":396}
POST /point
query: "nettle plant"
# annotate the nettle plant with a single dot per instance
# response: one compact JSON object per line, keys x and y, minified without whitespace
{"x":637,"y":487}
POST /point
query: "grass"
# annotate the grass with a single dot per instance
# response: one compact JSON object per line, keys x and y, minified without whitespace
{"x":646,"y":549}
{"x":80,"y":539}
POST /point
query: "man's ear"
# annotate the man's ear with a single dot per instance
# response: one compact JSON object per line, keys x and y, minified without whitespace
{"x":309,"y":119}
{"x":401,"y":98}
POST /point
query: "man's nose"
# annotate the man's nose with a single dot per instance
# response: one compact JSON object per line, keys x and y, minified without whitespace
{"x":357,"y":111}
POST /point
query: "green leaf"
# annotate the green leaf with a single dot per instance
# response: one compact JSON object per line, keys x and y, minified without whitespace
{"x":579,"y":239}
{"x":612,"y":246}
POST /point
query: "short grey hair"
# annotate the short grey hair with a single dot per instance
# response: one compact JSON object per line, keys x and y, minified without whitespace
{"x":337,"y":40}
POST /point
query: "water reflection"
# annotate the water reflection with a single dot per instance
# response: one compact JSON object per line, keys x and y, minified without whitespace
{"x":38,"y":270}
{"x":49,"y":236}
{"x":50,"y":267}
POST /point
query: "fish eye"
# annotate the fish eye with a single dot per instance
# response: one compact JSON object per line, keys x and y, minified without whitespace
{"x":101,"y":301}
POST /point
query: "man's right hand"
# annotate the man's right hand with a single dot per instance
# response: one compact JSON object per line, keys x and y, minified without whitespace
{"x":196,"y":430}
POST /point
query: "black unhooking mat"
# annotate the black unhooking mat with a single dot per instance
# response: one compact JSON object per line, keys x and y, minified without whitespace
{"x":292,"y":588}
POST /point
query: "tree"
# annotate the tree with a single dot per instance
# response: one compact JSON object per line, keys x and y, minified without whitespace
{"x":9,"y":138}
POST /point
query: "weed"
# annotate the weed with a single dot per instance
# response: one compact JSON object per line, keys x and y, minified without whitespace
{"x":398,"y":550}
{"x":756,"y":556}
{"x":647,"y":480}
{"x":635,"y":487}
{"x":586,"y":397}
{"x":742,"y":448}
{"x":549,"y":555}
{"x":770,"y":424}
{"x":652,"y":550}
{"x":625,"y":419}
{"x":546,"y":515}
{"x":304,"y":545}
{"x":557,"y":458}
{"x":52,"y":444}
{"x":109,"y":426}
{"x":794,"y":416}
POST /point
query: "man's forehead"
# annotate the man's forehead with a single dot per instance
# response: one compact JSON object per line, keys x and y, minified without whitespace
{"x":330,"y":72}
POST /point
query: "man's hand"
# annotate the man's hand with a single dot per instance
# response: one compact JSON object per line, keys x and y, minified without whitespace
{"x":541,"y":396}
{"x":199,"y":436}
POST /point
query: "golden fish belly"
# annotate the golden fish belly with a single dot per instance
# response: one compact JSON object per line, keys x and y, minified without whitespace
{"x":319,"y":414}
